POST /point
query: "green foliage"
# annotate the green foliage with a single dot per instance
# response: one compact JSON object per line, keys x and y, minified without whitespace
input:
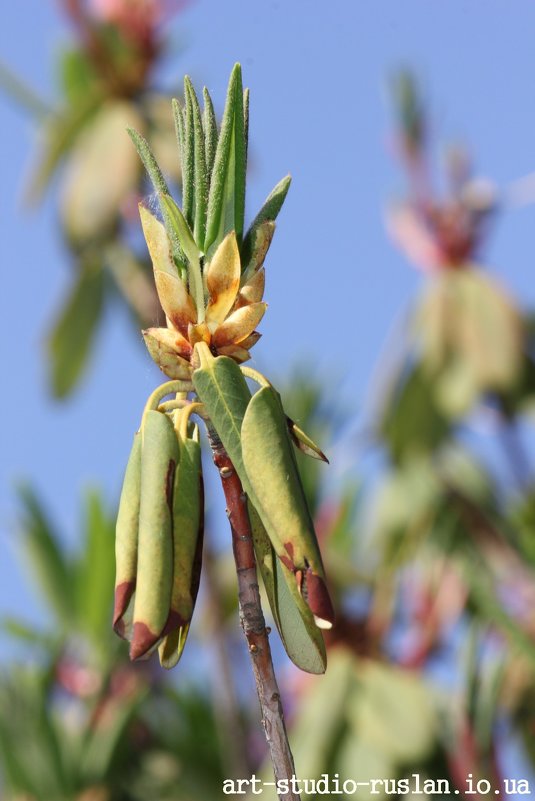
{"x":221,"y":386}
{"x":74,"y":331}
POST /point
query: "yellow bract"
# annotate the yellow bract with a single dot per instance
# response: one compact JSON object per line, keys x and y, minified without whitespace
{"x":232,"y":313}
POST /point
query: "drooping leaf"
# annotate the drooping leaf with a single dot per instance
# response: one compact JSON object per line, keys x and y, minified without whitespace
{"x":300,"y":636}
{"x":126,"y":535}
{"x":70,"y":340}
{"x":226,"y":202}
{"x":279,"y":498}
{"x":187,"y":546}
{"x":222,"y":388}
{"x":159,"y":457}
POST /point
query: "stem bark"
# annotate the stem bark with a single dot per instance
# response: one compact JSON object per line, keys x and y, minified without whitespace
{"x":252,"y":621}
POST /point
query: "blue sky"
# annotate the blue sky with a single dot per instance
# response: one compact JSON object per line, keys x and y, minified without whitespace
{"x":319,"y":110}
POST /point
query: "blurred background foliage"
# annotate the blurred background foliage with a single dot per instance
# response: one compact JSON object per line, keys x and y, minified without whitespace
{"x":431,"y":557}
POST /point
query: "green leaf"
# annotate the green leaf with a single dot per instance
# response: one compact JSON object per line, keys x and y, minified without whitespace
{"x":60,"y":135}
{"x":211,"y":134}
{"x":269,"y":212}
{"x":300,"y":636}
{"x":77,"y":75}
{"x":220,"y":385}
{"x":45,"y":554}
{"x":72,"y":336}
{"x":320,"y":721}
{"x":22,"y":94}
{"x":381,"y":713}
{"x":270,"y":465}
{"x":188,"y":532}
{"x":303,"y":442}
{"x":178,"y":117}
{"x":411,"y":422}
{"x":226,"y":202}
{"x":24,"y":632}
{"x":94,"y":575}
{"x":199,"y":174}
{"x":151,"y":165}
{"x":159,"y":457}
{"x":279,"y":498}
{"x":103,"y":742}
{"x":181,"y":229}
{"x":162,"y":190}
{"x":188,"y":160}
{"x":32,"y":741}
{"x":470,"y":338}
{"x":485,"y":597}
{"x":246,"y":98}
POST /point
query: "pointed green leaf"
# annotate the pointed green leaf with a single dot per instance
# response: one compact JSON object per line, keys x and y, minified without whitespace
{"x":246,"y":98}
{"x":300,"y":636}
{"x":199,"y":174}
{"x":226,"y":203}
{"x":269,"y":211}
{"x":94,"y":573}
{"x":70,"y":340}
{"x":181,"y":229}
{"x":303,"y":442}
{"x":188,"y":159}
{"x":178,"y":118}
{"x":162,"y":190}
{"x":210,"y":133}
{"x":48,"y":563}
{"x":151,"y":165}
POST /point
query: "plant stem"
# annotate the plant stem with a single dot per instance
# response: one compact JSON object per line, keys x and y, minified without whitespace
{"x":252,"y":619}
{"x":225,"y":701}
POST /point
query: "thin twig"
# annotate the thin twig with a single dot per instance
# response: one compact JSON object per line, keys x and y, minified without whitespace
{"x":226,"y":701}
{"x":252,"y":620}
